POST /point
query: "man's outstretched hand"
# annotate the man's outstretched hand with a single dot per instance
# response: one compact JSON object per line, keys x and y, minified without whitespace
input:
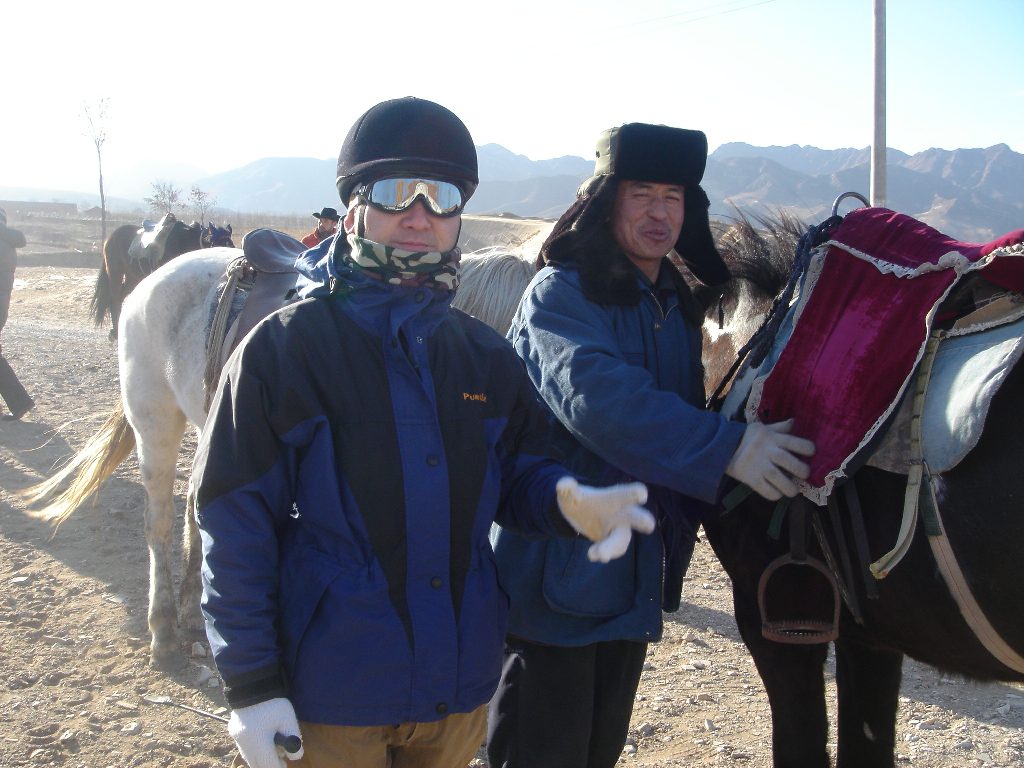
{"x":606,"y":516}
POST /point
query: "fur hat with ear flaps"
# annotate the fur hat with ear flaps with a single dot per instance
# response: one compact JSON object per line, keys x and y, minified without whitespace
{"x":638,"y":152}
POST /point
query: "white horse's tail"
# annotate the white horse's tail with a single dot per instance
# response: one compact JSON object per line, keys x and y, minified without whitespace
{"x":87,"y":470}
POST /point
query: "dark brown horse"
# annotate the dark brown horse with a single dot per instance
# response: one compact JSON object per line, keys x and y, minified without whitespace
{"x":121,"y":272}
{"x":913,"y":612}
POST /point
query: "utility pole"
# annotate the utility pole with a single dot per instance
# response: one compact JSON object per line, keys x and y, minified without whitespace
{"x":878,"y":192}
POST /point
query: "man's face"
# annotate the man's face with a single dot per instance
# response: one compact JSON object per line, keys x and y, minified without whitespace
{"x":414,"y":229}
{"x":646,"y":221}
{"x":328,"y":225}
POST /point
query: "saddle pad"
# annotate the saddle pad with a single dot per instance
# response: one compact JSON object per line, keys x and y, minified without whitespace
{"x":858,"y":330}
{"x":966,"y":374}
{"x":149,"y":242}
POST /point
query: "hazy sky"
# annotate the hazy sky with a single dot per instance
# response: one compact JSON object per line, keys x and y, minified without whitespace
{"x":220,"y":83}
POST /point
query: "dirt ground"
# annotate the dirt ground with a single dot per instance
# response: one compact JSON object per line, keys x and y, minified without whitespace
{"x":74,"y":661}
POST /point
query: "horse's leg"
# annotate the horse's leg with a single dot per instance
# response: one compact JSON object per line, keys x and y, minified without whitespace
{"x":115,"y":313}
{"x":122,"y":283}
{"x":868,"y":680}
{"x":190,"y":616}
{"x":109,"y":292}
{"x":158,"y":454}
{"x":159,"y":425}
{"x":793,"y":677}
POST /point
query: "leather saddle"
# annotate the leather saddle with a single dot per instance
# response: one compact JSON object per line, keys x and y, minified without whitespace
{"x":257,"y":283}
{"x":151,"y":240}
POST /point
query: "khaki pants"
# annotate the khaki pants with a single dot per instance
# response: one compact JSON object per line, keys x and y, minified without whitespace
{"x":449,"y":743}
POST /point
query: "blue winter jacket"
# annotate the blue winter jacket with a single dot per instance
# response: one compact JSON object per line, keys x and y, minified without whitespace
{"x":359,"y":448}
{"x":625,"y":383}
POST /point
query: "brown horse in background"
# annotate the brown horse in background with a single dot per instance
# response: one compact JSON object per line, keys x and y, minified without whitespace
{"x":120,"y":273}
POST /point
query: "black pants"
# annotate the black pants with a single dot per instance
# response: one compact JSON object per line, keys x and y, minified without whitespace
{"x":562,"y":707}
{"x":18,"y":401}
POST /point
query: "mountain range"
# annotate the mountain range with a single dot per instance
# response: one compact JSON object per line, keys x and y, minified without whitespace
{"x":970,"y":194}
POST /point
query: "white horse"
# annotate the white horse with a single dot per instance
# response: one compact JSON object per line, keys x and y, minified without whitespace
{"x":492,"y":283}
{"x":162,"y":357}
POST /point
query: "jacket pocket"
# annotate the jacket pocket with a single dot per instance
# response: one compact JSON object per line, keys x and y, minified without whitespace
{"x":306,"y":575}
{"x":576,"y":586}
{"x":482,"y":624}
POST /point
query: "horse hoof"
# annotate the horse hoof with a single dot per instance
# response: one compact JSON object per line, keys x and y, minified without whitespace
{"x":166,"y":657}
{"x":167,"y":662}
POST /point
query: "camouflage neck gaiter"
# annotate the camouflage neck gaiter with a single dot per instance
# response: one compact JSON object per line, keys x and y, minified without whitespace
{"x":411,"y":268}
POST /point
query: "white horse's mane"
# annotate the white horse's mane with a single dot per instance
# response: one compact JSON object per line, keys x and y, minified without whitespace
{"x":492,"y":283}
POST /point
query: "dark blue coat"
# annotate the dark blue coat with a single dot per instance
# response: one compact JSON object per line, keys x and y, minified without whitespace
{"x":359,"y":448}
{"x":625,"y":383}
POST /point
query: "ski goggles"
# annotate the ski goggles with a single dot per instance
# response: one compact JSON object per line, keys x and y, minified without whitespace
{"x":442,"y":198}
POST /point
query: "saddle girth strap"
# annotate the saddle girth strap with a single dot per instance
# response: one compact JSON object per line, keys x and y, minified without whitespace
{"x":236,"y":272}
{"x":881,"y":567}
{"x":860,"y":536}
{"x":846,"y":581}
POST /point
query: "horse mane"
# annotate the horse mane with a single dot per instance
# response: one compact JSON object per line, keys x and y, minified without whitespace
{"x":761,"y":248}
{"x":760,"y":252}
{"x":492,"y":283}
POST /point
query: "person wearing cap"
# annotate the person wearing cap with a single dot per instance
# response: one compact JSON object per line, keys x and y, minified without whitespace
{"x":360,"y":445}
{"x":327,"y":225}
{"x":17,"y":399}
{"x":611,"y":338}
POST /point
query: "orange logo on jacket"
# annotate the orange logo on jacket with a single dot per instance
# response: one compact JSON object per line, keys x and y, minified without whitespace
{"x":480,"y":397}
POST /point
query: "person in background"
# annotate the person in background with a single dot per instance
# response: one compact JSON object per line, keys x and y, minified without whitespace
{"x":361,"y":444}
{"x":327,"y":225}
{"x":611,"y":337}
{"x":14,"y":395}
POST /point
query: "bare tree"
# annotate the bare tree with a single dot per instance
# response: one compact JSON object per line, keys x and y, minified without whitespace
{"x":96,"y":117}
{"x":200,"y":202}
{"x":166,"y":198}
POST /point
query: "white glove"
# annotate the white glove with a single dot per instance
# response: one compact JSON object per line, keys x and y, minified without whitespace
{"x":253,"y":730}
{"x":607,"y":516}
{"x":764,"y":459}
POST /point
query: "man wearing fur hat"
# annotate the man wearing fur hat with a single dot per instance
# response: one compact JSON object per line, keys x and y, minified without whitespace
{"x":611,"y":337}
{"x":326,"y":225}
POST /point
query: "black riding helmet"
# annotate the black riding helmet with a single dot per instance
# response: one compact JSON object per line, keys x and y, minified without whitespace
{"x":407,"y":137}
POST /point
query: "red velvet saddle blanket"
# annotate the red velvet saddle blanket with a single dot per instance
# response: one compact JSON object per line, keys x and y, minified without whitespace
{"x":859,"y":327}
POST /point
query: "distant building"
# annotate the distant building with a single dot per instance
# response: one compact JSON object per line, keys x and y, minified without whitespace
{"x":23,"y":208}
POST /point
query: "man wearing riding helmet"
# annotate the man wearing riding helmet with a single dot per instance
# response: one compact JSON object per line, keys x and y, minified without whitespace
{"x":360,"y":445}
{"x":611,"y":338}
